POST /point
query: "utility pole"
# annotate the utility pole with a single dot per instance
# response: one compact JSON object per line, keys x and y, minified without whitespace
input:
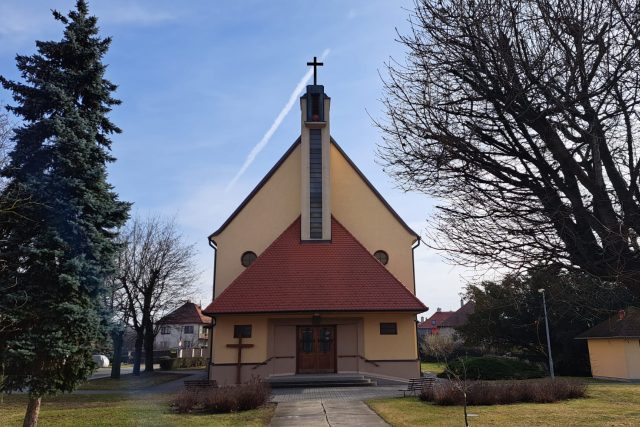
{"x":546,"y":323}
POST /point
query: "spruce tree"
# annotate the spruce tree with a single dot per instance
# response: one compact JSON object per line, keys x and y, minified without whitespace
{"x":58,"y":248}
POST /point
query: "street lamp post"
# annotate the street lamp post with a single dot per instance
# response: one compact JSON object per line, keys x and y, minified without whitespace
{"x":546,"y":323}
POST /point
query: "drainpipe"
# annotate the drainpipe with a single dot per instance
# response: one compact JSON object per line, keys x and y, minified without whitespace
{"x":214,"y":246}
{"x":413,"y":263}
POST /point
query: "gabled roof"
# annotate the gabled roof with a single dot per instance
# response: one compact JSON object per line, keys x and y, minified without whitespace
{"x":460,"y":317}
{"x":624,"y":324}
{"x":273,"y":170}
{"x":295,"y":276}
{"x":438,"y":316}
{"x":186,"y":313}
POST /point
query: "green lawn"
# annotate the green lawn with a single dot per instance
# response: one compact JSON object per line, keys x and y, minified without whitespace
{"x":121,"y":410}
{"x":608,"y":404}
{"x":131,"y":382}
{"x":433,"y":367}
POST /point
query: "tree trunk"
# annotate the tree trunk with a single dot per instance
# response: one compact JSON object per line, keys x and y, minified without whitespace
{"x":33,"y":411}
{"x":149,"y":337}
{"x":137,"y":352}
{"x":117,"y":337}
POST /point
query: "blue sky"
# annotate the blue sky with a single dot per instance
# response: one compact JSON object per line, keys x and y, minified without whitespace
{"x":202,"y":81}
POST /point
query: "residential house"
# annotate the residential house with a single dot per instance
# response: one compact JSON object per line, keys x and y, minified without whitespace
{"x":430,"y":326}
{"x":185,"y":327}
{"x":459,"y":318}
{"x":614,"y":346}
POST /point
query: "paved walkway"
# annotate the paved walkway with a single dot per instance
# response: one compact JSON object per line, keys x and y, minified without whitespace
{"x":164,"y":388}
{"x":325,"y":413}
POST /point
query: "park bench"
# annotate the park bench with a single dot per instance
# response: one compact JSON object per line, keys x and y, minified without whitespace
{"x":199,"y":384}
{"x":416,"y":385}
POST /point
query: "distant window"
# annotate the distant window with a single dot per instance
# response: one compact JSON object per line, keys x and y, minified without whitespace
{"x":433,"y":322}
{"x":389,"y":328}
{"x":188,"y":329}
{"x":382,"y":257}
{"x":247,"y":258}
{"x":165,"y":330}
{"x":242,"y":331}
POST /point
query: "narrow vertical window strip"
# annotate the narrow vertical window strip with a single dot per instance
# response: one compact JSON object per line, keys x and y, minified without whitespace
{"x":315,"y":184}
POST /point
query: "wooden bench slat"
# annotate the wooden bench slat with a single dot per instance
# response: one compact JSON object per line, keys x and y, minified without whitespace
{"x":200,"y":383}
{"x":418,"y":384}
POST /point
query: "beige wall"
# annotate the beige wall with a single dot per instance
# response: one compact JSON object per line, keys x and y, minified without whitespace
{"x":369,"y":220}
{"x":384,"y":347}
{"x":632,"y":351}
{"x":615,"y":358}
{"x":359,"y":345}
{"x":262,"y":220}
{"x":223,"y":335}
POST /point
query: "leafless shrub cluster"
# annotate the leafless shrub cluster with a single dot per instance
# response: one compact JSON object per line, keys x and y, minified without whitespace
{"x":224,"y":399}
{"x":446,"y":393}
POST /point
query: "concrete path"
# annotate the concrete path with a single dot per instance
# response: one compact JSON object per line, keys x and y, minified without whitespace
{"x":164,"y":388}
{"x":325,"y":413}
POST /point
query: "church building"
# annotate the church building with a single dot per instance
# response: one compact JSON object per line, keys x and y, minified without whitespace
{"x":314,"y":270}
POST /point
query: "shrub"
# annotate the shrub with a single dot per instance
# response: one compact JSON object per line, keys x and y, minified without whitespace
{"x":167,"y":363}
{"x":491,"y":368}
{"x":224,"y":399}
{"x":185,"y":401}
{"x":504,"y":392}
{"x":190,"y":362}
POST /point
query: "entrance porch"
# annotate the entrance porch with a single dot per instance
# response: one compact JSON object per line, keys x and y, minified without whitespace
{"x":283,"y":345}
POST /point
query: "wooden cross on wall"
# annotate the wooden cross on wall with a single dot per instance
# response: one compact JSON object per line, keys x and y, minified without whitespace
{"x":239,"y":346}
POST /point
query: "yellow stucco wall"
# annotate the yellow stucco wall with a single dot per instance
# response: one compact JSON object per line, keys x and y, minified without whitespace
{"x":262,"y":220}
{"x":223,"y":335}
{"x":615,"y":358}
{"x":369,"y":220}
{"x":278,"y":205}
{"x":402,"y":346}
{"x":632,"y":352}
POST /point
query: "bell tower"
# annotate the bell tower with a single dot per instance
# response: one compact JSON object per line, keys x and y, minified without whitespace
{"x":315,"y":167}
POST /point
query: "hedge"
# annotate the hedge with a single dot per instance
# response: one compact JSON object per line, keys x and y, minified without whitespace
{"x":492,"y":368}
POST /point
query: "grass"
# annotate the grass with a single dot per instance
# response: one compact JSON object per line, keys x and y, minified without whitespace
{"x":610,"y":404}
{"x":433,"y":367}
{"x":122,"y":410}
{"x":131,"y":382}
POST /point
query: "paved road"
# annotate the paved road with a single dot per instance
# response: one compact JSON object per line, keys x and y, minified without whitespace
{"x":325,"y":413}
{"x":124,"y":369}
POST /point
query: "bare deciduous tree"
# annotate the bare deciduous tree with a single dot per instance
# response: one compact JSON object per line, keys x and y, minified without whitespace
{"x":155,"y":273}
{"x":522,"y":117}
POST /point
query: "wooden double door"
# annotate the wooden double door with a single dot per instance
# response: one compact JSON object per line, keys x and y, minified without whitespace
{"x":316,"y":349}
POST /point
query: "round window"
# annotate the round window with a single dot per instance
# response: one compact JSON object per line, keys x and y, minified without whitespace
{"x":382,"y":257}
{"x":247,"y":258}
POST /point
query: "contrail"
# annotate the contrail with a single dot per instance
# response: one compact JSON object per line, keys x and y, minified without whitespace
{"x":276,"y":123}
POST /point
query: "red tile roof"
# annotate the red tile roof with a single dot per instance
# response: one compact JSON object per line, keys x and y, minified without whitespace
{"x":438,"y":316}
{"x":186,"y":313}
{"x":290,"y":276}
{"x":624,"y":324}
{"x":459,"y":318}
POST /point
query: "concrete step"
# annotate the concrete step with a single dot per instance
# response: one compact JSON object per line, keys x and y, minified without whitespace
{"x":329,"y":380}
